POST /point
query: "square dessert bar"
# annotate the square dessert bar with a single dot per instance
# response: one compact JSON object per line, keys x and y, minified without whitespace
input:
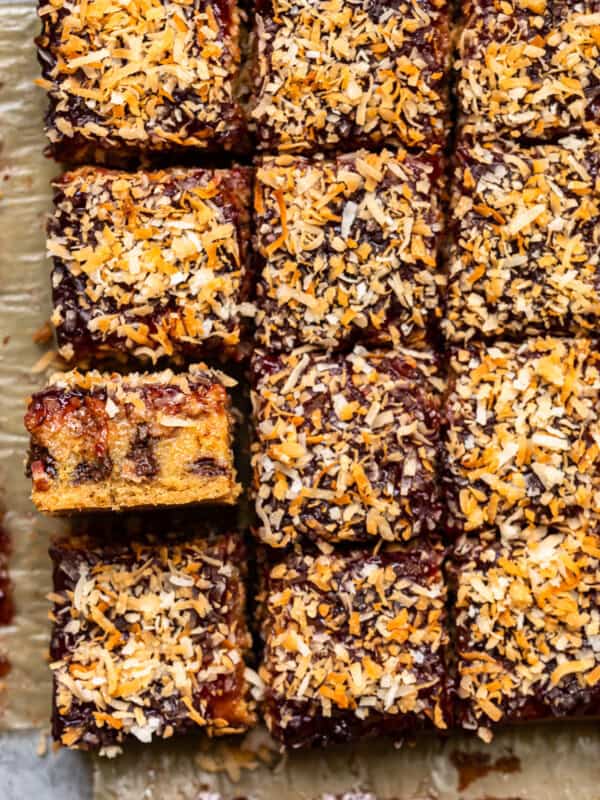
{"x":109,"y":441}
{"x":149,"y":639}
{"x":525,"y":256}
{"x":135,"y":78}
{"x":346,"y":446}
{"x":150,"y":265}
{"x":523,"y":436}
{"x":337,"y":75}
{"x":529,"y":69}
{"x":527,"y":629}
{"x":354,"y":646}
{"x":348,"y":249}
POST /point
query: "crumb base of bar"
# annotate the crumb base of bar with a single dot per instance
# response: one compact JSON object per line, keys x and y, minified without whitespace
{"x":103,"y":498}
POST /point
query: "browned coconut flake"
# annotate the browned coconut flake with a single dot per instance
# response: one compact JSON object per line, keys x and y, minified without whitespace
{"x":523,"y":438}
{"x":354,"y":645}
{"x":150,"y":265}
{"x":525,"y":256}
{"x":348,"y":249}
{"x":337,"y":74}
{"x":148,"y":75}
{"x":529,"y":68}
{"x":528,"y":629}
{"x":346,"y":446}
{"x":149,"y":640}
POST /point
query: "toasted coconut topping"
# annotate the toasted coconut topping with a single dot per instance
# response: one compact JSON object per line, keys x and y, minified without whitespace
{"x":529,"y":68}
{"x":344,"y":73}
{"x":526,"y":250}
{"x":118,"y":386}
{"x":346,"y":446}
{"x":522,"y":446}
{"x":354,"y":644}
{"x":146,"y":74}
{"x":348,"y":249}
{"x":149,"y":640}
{"x":528,"y":629}
{"x":149,"y":264}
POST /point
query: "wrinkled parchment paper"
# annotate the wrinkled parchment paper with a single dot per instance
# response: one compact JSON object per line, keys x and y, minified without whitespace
{"x":546,"y":762}
{"x":24,"y":306}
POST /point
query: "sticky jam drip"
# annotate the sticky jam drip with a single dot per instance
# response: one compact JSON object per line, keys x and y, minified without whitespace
{"x":6,"y":599}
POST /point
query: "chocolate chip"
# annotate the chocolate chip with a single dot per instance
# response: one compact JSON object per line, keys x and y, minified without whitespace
{"x":141,"y":453}
{"x":208,"y":467}
{"x":92,"y":471}
{"x":40,"y":454}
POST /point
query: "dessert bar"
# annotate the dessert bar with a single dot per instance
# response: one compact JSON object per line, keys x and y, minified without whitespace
{"x":149,"y":639}
{"x":528,"y":629}
{"x":346,"y":446}
{"x":347,"y":249}
{"x":354,"y":646}
{"x":525,"y":256}
{"x":108,"y":441}
{"x":523,"y":434}
{"x":128,"y":79}
{"x":150,"y":265}
{"x":529,"y":69}
{"x":335,"y":75}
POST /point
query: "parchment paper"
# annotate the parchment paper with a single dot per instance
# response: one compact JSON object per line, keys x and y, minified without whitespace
{"x":545,"y":762}
{"x":24,"y":306}
{"x":548,"y":762}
